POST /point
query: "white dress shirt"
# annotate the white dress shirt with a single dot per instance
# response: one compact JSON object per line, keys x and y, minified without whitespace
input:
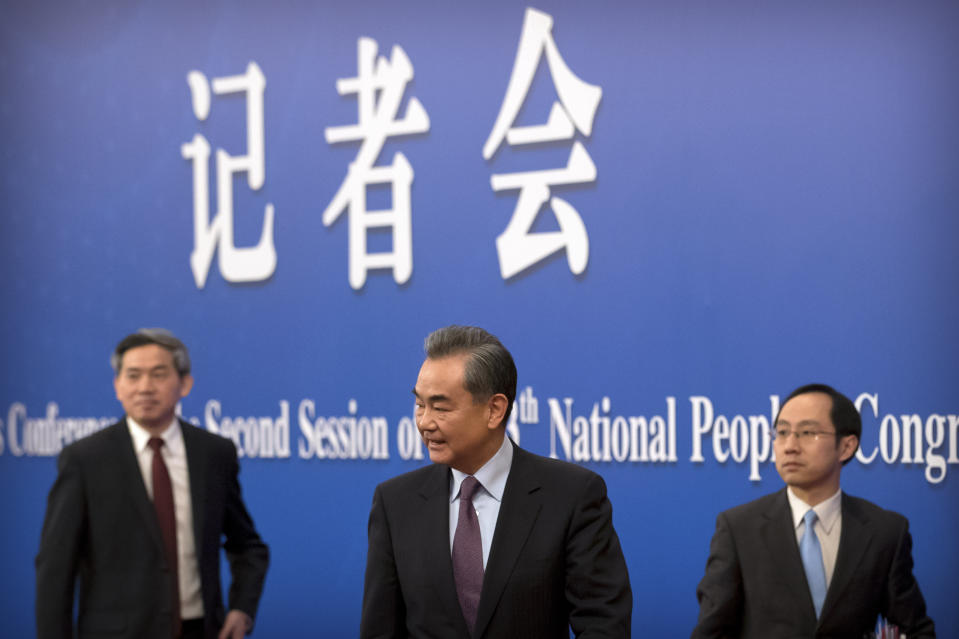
{"x":487,"y":499}
{"x":828,"y":526}
{"x":174,"y":455}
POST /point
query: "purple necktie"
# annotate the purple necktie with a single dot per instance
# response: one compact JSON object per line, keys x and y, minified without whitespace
{"x":163,"y":503}
{"x":468,"y":554}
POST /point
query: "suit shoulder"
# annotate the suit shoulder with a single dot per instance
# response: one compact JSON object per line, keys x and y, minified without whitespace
{"x":753,"y":508}
{"x":93,"y":444}
{"x":567,"y":480}
{"x":205,"y":438}
{"x":555,"y":469}
{"x":872,"y":512}
{"x":411,"y":480}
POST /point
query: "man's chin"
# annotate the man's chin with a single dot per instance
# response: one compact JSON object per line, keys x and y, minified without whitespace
{"x":438,"y":455}
{"x":790,"y":474}
{"x":151,"y":420}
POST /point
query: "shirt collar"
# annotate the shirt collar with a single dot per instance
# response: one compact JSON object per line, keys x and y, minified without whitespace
{"x":491,"y":476}
{"x":827,"y":511}
{"x":172,"y":436}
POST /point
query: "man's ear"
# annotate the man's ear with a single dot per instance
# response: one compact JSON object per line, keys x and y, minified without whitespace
{"x":847,"y":447}
{"x":186,"y":385}
{"x":497,"y":409}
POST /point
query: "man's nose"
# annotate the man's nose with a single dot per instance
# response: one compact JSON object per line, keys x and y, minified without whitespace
{"x":791,"y":443}
{"x":424,"y":420}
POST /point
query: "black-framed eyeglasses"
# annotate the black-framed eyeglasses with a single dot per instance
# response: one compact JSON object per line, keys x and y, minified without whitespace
{"x":804,"y":435}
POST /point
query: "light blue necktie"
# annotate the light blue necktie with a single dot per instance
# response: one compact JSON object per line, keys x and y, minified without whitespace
{"x":811,"y":554}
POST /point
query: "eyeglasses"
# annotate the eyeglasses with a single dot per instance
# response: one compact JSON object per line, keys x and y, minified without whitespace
{"x":805,"y":435}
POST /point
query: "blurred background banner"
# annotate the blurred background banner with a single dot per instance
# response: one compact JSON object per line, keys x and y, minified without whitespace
{"x":671,"y":215}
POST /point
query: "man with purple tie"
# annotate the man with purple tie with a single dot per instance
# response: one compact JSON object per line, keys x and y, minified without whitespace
{"x":490,"y":540}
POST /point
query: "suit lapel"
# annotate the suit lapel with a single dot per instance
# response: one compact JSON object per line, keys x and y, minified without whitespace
{"x":435,"y":496}
{"x":196,"y":470}
{"x":854,"y":540}
{"x":780,"y":538}
{"x":131,"y":477}
{"x":518,"y":512}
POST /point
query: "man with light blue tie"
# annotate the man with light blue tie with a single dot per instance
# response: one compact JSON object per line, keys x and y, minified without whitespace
{"x":809,"y":560}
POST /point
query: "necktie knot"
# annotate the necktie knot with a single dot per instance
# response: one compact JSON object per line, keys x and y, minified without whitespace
{"x":810,"y":518}
{"x":468,"y":488}
{"x":155,"y":443}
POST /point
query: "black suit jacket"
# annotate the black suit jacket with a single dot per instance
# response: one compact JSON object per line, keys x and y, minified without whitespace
{"x":101,"y":527}
{"x":755,"y":585}
{"x":555,"y":560}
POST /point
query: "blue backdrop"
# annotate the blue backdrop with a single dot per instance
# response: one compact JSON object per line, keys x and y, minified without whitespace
{"x":730,"y":200}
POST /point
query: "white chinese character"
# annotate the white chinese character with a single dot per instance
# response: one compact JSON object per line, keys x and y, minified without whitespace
{"x":517,"y":247}
{"x":250,"y":264}
{"x":379,"y":90}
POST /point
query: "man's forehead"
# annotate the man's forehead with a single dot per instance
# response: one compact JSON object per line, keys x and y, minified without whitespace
{"x":808,"y":407}
{"x":146,"y":356}
{"x":441,"y":374}
{"x":801,"y":420}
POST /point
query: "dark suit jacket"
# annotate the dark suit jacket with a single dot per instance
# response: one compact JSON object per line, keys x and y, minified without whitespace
{"x":755,"y":585}
{"x":101,"y":526}
{"x":555,"y":559}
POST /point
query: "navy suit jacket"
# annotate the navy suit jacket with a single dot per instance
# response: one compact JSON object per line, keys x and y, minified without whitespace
{"x":755,"y":585}
{"x":555,"y":560}
{"x":102,"y":529}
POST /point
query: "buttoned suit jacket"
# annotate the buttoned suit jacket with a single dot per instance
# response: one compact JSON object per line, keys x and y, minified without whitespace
{"x":755,"y":585}
{"x":555,"y":560}
{"x":101,"y":530}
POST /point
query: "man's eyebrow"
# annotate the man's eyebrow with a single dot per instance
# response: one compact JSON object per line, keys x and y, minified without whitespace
{"x":802,"y":422}
{"x":432,"y":398}
{"x":137,"y":369}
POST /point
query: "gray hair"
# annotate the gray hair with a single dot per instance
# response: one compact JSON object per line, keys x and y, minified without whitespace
{"x":160,"y":337}
{"x":490,"y":368}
